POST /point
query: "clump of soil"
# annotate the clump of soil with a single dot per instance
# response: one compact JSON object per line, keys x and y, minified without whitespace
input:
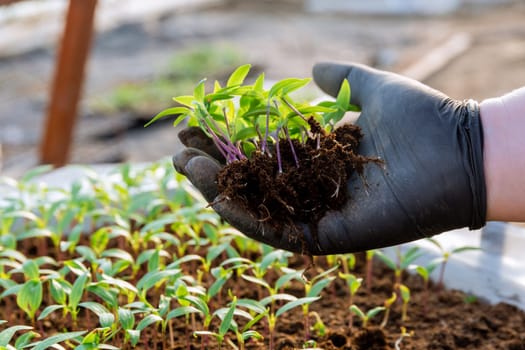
{"x":305,"y":189}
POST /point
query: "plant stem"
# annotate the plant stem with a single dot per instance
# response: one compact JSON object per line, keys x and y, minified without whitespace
{"x":227,"y":151}
{"x":291,"y":146}
{"x":385,"y":318}
{"x":369,"y":265}
{"x":278,"y":152}
{"x":306,"y":325}
{"x":293,"y":108}
{"x":404,"y":310}
{"x":264,"y":141}
{"x":226,"y":121}
{"x":442,"y":274}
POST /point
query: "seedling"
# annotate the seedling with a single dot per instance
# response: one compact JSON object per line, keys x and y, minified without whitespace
{"x":388,"y":304}
{"x":404,"y":291}
{"x":237,"y":132}
{"x":404,"y":334}
{"x":445,"y":256}
{"x":402,"y":263}
{"x":369,"y":269}
{"x":312,"y":289}
{"x":425,"y":272}
{"x":365,"y":317}
{"x":353,"y":283}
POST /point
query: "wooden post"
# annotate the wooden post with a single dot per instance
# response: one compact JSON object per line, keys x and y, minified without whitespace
{"x":67,"y":82}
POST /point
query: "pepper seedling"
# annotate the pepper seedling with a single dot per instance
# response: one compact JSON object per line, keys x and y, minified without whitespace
{"x":260,"y":117}
{"x":365,"y":317}
{"x":445,"y":256}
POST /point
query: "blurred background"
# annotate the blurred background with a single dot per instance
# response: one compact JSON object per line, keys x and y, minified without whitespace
{"x":145,"y":52}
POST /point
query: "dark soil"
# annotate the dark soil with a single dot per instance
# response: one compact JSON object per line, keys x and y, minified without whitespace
{"x":311,"y":180}
{"x":439,"y":319}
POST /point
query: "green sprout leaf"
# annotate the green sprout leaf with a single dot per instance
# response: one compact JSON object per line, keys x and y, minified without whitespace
{"x":55,"y":340}
{"x":7,"y":334}
{"x":30,"y":297}
{"x":293,"y":304}
{"x":238,"y":76}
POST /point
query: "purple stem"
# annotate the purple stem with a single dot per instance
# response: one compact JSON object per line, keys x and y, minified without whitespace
{"x":291,"y":146}
{"x":264,"y":141}
{"x":293,"y":108}
{"x":226,"y":120}
{"x":278,"y":152}
{"x":233,"y":149}
{"x":228,"y":152}
{"x":259,"y":135}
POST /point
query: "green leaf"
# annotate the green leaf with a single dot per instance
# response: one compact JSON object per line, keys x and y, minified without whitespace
{"x":259,"y":83}
{"x":228,"y":318}
{"x":244,"y":134}
{"x":373,"y":312}
{"x":280,"y":296}
{"x":30,"y":297}
{"x":423,"y":272}
{"x":134,"y":336}
{"x":410,"y":256}
{"x":256,"y":281}
{"x":106,"y":294}
{"x":13,"y":290}
{"x":7,"y":334}
{"x":54,"y":340}
{"x":106,"y":319}
{"x":35,"y":172}
{"x":31,"y":270}
{"x":388,"y":262}
{"x":147,"y":321}
{"x":357,"y":311}
{"x":198,"y":303}
{"x":287,"y":86}
{"x":118,"y":283}
{"x":48,"y":310}
{"x":249,"y":334}
{"x":294,"y":304}
{"x":25,"y":338}
{"x":464,"y":249}
{"x":86,"y":252}
{"x":217,"y":285}
{"x":405,"y":293}
{"x":153,"y":277}
{"x":184,"y":100}
{"x":181,"y":311}
{"x":273,"y":257}
{"x":182,"y":111}
{"x":154,"y":261}
{"x":126,"y":318}
{"x":252,"y":305}
{"x":96,"y":308}
{"x":199,"y":91}
{"x":343,"y":97}
{"x":185,"y":259}
{"x":238,"y":76}
{"x":117,"y":254}
{"x":77,"y":290}
{"x":318,"y":286}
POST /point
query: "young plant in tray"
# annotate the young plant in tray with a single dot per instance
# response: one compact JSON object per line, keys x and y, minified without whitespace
{"x":285,"y":160}
{"x":445,"y":256}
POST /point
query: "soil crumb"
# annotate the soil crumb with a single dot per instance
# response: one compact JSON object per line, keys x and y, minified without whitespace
{"x":310,"y":181}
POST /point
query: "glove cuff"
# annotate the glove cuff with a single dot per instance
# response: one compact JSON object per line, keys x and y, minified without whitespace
{"x":473,"y":132}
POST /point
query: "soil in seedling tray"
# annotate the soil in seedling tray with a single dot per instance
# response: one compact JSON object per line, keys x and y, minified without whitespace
{"x":440,"y":319}
{"x":310,"y":181}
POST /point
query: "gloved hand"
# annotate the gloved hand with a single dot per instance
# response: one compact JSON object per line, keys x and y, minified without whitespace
{"x":432,"y":179}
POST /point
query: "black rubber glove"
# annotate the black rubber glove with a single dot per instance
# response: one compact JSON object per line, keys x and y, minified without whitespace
{"x":432,"y":179}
